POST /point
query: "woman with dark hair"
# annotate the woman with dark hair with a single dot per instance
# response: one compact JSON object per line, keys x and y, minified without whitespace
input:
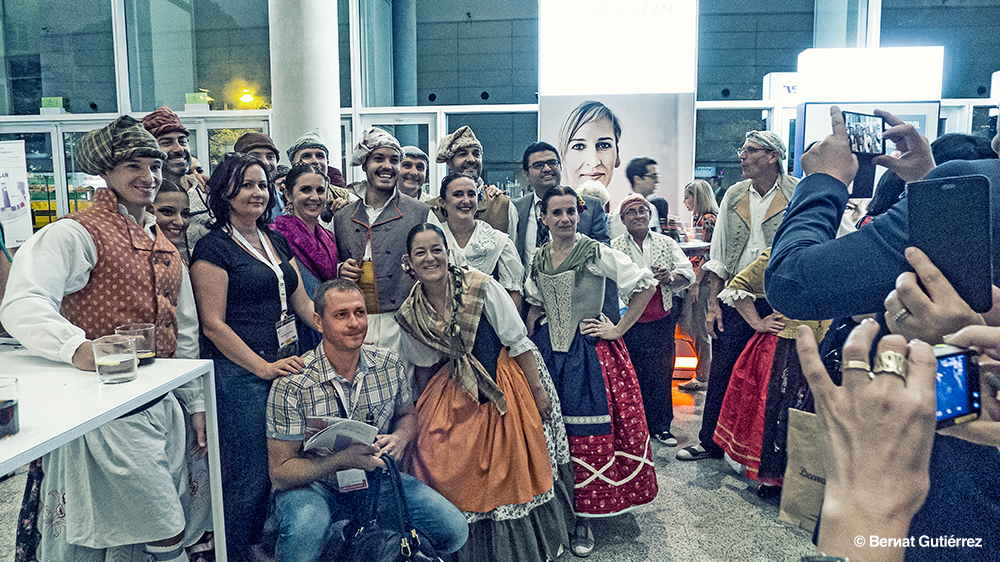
{"x":172,"y":210}
{"x":247,"y":288}
{"x":588,"y":143}
{"x":474,"y":242}
{"x":486,"y":409}
{"x":313,"y":245}
{"x":590,"y":366}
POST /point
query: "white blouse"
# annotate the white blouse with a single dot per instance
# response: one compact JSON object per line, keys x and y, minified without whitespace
{"x":488,"y":249}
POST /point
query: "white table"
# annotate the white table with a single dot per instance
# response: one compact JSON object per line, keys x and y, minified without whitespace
{"x":58,"y":403}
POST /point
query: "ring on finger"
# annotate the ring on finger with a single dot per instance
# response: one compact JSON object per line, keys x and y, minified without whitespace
{"x":855,"y":364}
{"x":890,"y":363}
{"x":901,"y":315}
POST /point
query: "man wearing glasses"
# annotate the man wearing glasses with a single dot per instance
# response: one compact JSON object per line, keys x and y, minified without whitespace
{"x":644,"y":176}
{"x":543,"y":170}
{"x":749,"y":215}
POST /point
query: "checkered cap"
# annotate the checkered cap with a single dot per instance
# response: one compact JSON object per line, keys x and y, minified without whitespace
{"x":124,"y":138}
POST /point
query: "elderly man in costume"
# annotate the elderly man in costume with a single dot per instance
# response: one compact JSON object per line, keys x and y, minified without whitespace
{"x":650,"y":341}
{"x":463,"y":153}
{"x":371,"y":235}
{"x":122,"y":490}
{"x":749,"y":215}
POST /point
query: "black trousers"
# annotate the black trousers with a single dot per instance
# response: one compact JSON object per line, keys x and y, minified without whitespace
{"x":726,"y":349}
{"x":651,"y":348}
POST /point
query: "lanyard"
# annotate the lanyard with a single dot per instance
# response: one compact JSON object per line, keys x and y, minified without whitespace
{"x":348,"y":407}
{"x":271,"y":262}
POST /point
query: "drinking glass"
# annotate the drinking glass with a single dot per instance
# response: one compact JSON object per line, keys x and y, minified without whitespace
{"x":115,"y":358}
{"x":145,"y":341}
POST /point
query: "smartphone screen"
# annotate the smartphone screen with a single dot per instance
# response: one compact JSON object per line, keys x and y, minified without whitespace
{"x":957,"y":386}
{"x":864,"y":133}
{"x":949,"y":219}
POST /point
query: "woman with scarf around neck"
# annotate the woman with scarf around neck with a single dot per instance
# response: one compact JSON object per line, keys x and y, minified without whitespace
{"x":482,"y":403}
{"x":590,"y":366}
{"x":313,"y":245}
{"x":474,"y":242}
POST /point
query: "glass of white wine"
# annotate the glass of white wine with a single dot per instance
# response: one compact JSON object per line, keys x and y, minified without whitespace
{"x":115,"y":358}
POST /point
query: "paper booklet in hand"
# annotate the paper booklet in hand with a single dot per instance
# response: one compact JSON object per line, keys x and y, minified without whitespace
{"x":328,"y":435}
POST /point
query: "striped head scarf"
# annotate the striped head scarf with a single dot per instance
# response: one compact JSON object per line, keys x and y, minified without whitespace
{"x":124,"y":138}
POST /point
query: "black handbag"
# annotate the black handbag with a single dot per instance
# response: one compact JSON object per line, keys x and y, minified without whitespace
{"x":377,"y":539}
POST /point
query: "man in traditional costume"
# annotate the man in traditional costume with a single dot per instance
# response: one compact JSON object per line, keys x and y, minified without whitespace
{"x":750,"y":214}
{"x":463,"y":153}
{"x":371,"y":235}
{"x":122,"y":489}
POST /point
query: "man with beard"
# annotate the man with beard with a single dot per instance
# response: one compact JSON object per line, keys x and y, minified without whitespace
{"x":749,"y":216}
{"x":172,"y":137}
{"x":371,"y":235}
{"x":413,"y":173}
{"x":463,"y":153}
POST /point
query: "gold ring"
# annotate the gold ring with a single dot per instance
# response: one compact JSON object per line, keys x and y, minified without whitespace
{"x":890,"y":363}
{"x":855,"y":364}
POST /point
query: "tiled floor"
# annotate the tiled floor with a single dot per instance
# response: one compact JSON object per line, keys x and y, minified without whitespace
{"x":704,"y":511}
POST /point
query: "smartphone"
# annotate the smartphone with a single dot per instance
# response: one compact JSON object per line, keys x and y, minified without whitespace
{"x":950,"y":221}
{"x":864,"y":133}
{"x":957,"y":386}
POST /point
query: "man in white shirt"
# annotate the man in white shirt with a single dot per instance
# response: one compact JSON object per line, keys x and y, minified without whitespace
{"x":123,"y":487}
{"x":750,"y":214}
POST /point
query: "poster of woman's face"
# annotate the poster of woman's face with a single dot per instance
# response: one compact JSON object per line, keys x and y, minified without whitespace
{"x":598,"y":135}
{"x":588,"y":144}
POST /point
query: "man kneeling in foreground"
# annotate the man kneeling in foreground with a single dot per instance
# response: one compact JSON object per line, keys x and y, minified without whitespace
{"x":343,"y":377}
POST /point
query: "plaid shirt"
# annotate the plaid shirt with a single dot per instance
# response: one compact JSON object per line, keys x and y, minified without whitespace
{"x":381,"y":385}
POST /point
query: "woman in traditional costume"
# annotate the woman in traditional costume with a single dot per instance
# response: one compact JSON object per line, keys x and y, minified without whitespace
{"x":590,"y":366}
{"x":480,"y":439}
{"x":474,"y":242}
{"x":767,"y":380}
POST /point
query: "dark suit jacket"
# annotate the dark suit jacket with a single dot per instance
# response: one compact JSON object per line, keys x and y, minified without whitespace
{"x":593,"y":223}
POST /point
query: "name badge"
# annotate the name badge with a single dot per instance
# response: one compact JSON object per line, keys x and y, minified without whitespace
{"x":288,"y":337}
{"x":352,"y":479}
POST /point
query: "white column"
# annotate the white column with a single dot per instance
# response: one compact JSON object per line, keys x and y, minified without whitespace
{"x":305,"y":75}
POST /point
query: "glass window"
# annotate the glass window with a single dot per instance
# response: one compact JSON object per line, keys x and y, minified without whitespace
{"x":80,"y":185}
{"x":344,"y":38}
{"x":504,"y":137}
{"x":220,"y":47}
{"x":736,"y":50}
{"x":487,"y":57}
{"x":41,"y":179}
{"x":718,"y":133}
{"x":57,"y":49}
{"x":222,"y":141}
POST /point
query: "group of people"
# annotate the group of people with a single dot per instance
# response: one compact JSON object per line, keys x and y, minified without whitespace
{"x":483,"y":337}
{"x":467,"y":328}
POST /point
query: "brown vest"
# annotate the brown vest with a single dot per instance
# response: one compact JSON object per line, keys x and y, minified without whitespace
{"x":134,"y":279}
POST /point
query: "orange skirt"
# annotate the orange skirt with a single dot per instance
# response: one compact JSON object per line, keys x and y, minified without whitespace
{"x":473,"y":456}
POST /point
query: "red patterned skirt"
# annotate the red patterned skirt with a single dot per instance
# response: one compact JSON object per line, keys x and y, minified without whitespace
{"x":741,"y":420}
{"x":606,"y":424}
